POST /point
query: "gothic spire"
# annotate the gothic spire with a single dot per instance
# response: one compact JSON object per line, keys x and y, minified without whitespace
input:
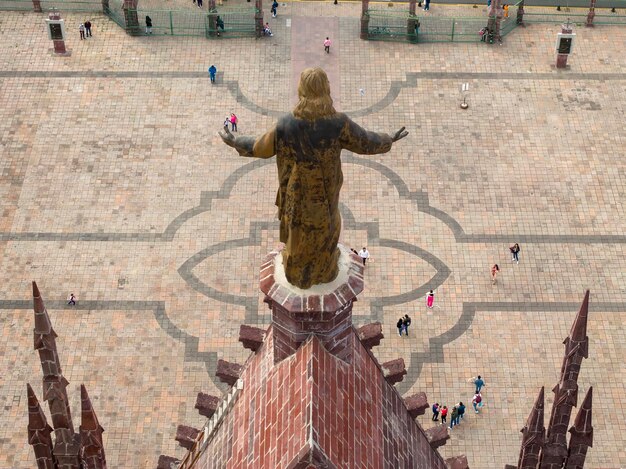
{"x":39,"y":432}
{"x":92,"y":448}
{"x":534,"y":435}
{"x":581,"y":434}
{"x":578,"y":332}
{"x":554,"y":453}
{"x":43,"y":330}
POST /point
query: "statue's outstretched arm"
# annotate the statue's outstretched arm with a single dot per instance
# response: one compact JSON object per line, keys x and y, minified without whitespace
{"x":363,"y":142}
{"x":262,"y":147}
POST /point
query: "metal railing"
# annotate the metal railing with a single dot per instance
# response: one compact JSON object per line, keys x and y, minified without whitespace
{"x":234,"y":22}
{"x":47,"y":5}
{"x":576,"y":17}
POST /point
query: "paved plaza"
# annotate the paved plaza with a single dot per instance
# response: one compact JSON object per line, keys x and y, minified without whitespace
{"x":114,"y":185}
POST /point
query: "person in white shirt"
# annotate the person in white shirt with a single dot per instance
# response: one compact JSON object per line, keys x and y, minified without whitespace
{"x":364,"y":255}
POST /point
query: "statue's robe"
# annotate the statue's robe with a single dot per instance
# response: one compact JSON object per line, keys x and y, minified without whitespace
{"x":310,"y":178}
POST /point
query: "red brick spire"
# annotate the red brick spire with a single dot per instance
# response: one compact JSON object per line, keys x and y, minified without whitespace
{"x":554,"y":453}
{"x":39,"y":432}
{"x":534,"y":435}
{"x":92,"y":448}
{"x":581,"y":434}
{"x":54,"y":387}
{"x":44,"y":337}
{"x":578,"y":333}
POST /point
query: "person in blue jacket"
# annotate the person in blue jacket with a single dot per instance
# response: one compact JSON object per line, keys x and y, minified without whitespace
{"x":212,"y":72}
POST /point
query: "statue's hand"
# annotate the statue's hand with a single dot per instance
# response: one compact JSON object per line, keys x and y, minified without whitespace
{"x":398,"y":135}
{"x":227,"y":137}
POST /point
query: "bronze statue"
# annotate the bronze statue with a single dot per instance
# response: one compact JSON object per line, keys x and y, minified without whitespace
{"x":308,"y":144}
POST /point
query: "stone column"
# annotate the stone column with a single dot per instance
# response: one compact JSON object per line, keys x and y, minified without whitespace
{"x":561,"y":59}
{"x":130,"y":17}
{"x":365,"y":19}
{"x":323,"y":310}
{"x":591,"y":14}
{"x":520,"y":13}
{"x":495,"y":16}
{"x":258,"y":18}
{"x":412,"y":23}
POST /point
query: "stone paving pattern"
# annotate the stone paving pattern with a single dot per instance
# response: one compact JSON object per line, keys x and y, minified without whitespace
{"x":115,"y":186}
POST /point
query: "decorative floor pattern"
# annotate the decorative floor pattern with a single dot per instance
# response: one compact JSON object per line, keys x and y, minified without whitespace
{"x":115,"y":186}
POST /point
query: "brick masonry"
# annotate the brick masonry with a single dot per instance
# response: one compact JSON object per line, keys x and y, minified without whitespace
{"x":347,"y":409}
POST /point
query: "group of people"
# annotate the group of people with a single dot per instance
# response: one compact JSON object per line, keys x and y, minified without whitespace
{"x":458,"y":411}
{"x":495,"y":268}
{"x":403,"y":325}
{"x":456,"y":414}
{"x":85,"y":30}
{"x":232,"y":120}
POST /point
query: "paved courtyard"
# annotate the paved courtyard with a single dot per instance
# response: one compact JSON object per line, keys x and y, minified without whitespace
{"x":114,"y":185}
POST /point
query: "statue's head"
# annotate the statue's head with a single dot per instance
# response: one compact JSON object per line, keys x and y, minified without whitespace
{"x":314,"y":95}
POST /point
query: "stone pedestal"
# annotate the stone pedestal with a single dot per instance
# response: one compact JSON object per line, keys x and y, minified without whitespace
{"x":324,"y":310}
{"x":59,"y":42}
{"x":561,"y":59}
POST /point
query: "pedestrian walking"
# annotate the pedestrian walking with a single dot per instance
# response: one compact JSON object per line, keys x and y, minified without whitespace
{"x":426,"y":5}
{"x":515,"y":249}
{"x":199,"y":3}
{"x":233,"y":121}
{"x":454,"y":417}
{"x":148,"y":25}
{"x":81,"y":30}
{"x":400,"y":326}
{"x":435,"y":412}
{"x":479,"y":383}
{"x":430,"y":299}
{"x":364,"y":255}
{"x":212,"y":72}
{"x":226,"y":122}
{"x":461,"y":409}
{"x":327,"y":45}
{"x":444,"y":415}
{"x":505,"y":8}
{"x":87,"y":28}
{"x":72,"y":300}
{"x":274,"y":9}
{"x":219,"y":24}
{"x":494,"y":273}
{"x":406,"y":322}
{"x":477,"y":401}
{"x":266,"y":30}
